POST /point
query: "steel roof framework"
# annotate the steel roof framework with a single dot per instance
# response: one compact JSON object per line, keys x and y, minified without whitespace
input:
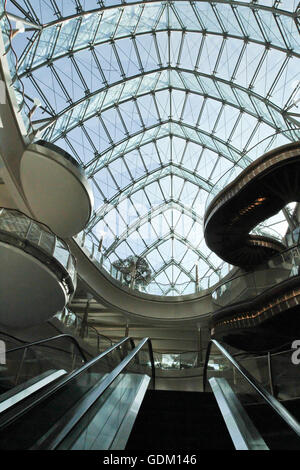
{"x":158,"y":100}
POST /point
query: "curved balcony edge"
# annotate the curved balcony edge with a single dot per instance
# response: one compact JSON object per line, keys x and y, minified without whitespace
{"x":66,"y":273}
{"x":56,"y":188}
{"x":106,"y":289}
{"x":269,"y":322}
{"x":259,"y":192}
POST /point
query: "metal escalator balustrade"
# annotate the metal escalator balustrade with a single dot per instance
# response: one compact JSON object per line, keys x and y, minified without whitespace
{"x":62,"y":407}
{"x":18,"y":393}
{"x":275,"y":421}
{"x":102,"y":405}
{"x":276,"y":371}
{"x":242,"y":431}
{"x":23,"y":363}
{"x":127,"y":373}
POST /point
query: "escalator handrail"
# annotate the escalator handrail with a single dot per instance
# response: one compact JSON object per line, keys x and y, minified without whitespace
{"x":60,"y":430}
{"x":279,"y":409}
{"x":66,"y":379}
{"x":46,"y":340}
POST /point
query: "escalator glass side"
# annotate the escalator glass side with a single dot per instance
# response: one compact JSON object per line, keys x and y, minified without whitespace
{"x":50,"y":411}
{"x":274,"y":430}
{"x":21,"y":434}
{"x":25,"y":361}
{"x":108,"y":422}
{"x":99,"y":427}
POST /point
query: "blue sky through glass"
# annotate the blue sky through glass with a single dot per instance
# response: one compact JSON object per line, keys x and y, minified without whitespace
{"x":158,"y":100}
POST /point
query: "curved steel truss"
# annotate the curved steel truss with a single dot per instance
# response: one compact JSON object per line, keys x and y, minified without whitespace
{"x":158,"y":100}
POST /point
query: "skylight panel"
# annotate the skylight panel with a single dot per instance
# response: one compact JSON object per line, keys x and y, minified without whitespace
{"x":164,"y":103}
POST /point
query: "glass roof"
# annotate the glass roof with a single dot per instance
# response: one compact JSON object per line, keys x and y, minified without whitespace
{"x":158,"y":100}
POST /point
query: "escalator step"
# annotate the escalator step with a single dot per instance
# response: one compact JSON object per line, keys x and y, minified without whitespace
{"x":179,"y":420}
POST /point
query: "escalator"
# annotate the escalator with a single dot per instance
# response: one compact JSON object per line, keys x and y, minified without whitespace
{"x":237,"y":413}
{"x":179,"y":420}
{"x":90,"y":407}
{"x":110,"y":403}
{"x":277,"y":422}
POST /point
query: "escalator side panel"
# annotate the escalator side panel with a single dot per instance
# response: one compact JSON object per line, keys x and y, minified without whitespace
{"x":109,"y":422}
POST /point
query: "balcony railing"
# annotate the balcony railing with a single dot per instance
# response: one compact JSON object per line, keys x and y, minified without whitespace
{"x":279,"y":268}
{"x":83,"y":330}
{"x":103,"y":263}
{"x":37,"y":239}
